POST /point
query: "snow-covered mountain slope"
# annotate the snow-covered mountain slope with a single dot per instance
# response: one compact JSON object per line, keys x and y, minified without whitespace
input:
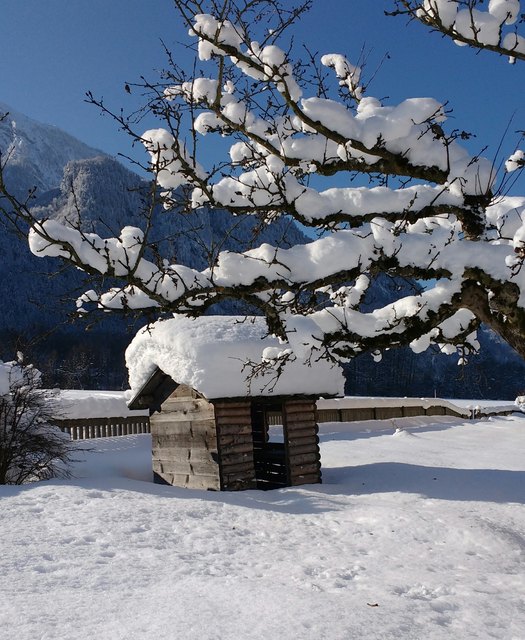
{"x":36,"y":153}
{"x":104,"y":196}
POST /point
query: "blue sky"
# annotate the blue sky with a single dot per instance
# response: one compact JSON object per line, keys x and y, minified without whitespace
{"x":54,"y":51}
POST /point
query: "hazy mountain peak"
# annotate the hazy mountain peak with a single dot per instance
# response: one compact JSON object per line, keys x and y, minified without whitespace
{"x":36,"y":153}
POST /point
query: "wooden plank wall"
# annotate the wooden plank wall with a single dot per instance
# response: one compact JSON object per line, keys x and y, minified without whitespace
{"x":235,"y":445}
{"x":354,"y":414}
{"x":184,"y":442}
{"x":304,"y":459}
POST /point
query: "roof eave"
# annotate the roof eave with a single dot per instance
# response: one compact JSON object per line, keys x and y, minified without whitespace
{"x":153,"y":392}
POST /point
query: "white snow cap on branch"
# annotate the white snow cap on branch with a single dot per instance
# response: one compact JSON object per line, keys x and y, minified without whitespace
{"x":198,"y":90}
{"x":445,"y":10}
{"x":270,"y":62}
{"x":408,"y":129}
{"x":505,"y":10}
{"x":515,"y":161}
{"x":470,"y":24}
{"x":4,"y":378}
{"x":170,"y":158}
{"x":350,"y":75}
{"x":222,"y":32}
{"x":15,"y":375}
{"x":119,"y":256}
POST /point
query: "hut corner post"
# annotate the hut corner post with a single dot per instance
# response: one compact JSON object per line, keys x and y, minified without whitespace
{"x":235,"y":445}
{"x":302,"y":440}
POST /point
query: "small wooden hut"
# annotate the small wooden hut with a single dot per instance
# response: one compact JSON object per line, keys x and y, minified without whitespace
{"x":211,"y":427}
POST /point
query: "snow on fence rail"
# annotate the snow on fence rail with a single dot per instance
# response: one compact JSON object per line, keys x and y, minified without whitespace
{"x":350,"y":409}
{"x":98,"y":414}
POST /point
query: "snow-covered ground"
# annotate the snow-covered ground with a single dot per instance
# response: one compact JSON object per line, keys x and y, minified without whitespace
{"x":415,"y":534}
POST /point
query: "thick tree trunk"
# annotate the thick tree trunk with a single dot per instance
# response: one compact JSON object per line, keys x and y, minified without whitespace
{"x":499,"y":311}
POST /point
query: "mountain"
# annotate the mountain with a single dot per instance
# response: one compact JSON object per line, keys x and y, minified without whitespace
{"x":36,"y":153}
{"x":102,"y":196}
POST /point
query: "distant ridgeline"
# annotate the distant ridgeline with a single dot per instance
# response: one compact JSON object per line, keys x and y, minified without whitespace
{"x":37,"y":294}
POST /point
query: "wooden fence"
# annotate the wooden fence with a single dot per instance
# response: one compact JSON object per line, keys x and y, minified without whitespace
{"x":385,"y":411}
{"x":353,"y":414}
{"x":86,"y":428}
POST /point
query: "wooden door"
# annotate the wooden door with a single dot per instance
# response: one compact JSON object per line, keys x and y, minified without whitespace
{"x":269,"y":453}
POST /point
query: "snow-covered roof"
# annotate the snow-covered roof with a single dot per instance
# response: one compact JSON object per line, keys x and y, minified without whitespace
{"x":210,"y":354}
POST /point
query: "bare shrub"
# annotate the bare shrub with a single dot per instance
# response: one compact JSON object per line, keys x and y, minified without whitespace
{"x":32,"y":447}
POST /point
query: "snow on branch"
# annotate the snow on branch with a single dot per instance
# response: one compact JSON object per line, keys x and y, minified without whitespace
{"x":473,"y":23}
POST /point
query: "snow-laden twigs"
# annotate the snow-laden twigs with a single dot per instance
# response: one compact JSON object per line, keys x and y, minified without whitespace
{"x":493,"y":26}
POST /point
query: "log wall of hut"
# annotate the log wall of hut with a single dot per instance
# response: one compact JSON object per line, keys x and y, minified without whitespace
{"x":235,"y":445}
{"x":302,"y":441}
{"x":184,"y":441}
{"x":250,"y":459}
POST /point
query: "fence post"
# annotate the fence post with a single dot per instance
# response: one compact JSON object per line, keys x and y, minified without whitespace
{"x":84,"y":429}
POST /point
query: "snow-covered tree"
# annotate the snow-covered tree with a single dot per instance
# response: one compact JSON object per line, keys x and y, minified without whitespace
{"x":390,"y":188}
{"x":492,"y":26}
{"x":32,"y":447}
